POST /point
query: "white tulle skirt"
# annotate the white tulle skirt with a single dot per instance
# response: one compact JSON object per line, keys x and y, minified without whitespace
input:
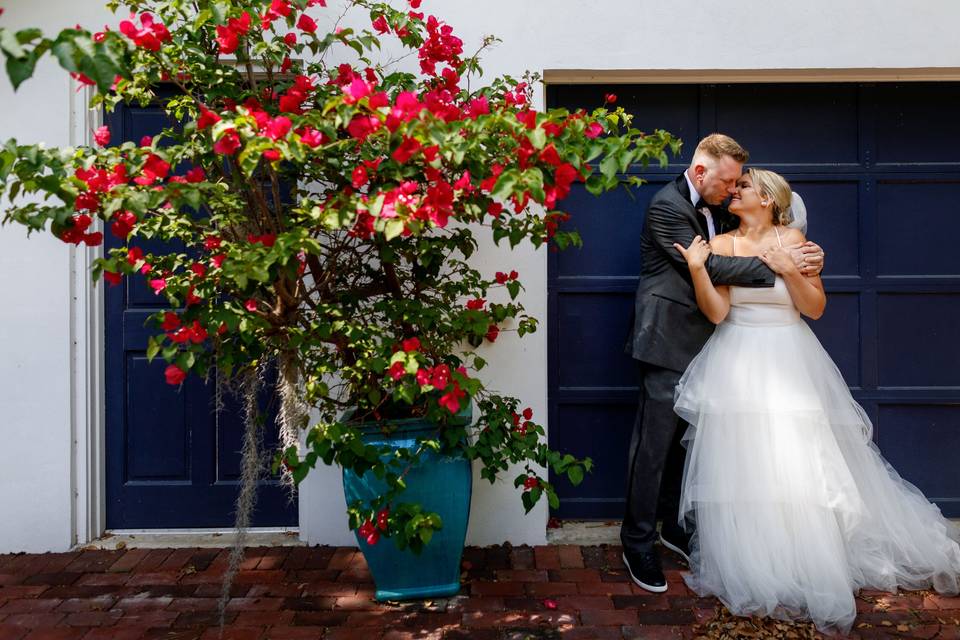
{"x":793,"y":508}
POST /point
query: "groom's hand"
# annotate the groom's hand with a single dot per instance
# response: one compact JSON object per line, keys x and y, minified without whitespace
{"x":808,"y":257}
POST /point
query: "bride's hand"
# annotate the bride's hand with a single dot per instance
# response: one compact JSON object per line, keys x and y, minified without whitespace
{"x":779,"y":259}
{"x":696,"y":254}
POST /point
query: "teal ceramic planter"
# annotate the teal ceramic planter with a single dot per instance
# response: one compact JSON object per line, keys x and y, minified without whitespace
{"x":442,"y":484}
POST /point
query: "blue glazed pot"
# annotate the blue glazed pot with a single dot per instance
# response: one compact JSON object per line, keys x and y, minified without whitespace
{"x":442,"y":484}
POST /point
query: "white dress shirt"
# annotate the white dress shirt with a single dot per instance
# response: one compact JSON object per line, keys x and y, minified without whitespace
{"x":695,"y":198}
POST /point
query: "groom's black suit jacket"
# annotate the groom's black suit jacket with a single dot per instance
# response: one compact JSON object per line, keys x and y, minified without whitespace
{"x":668,"y":328}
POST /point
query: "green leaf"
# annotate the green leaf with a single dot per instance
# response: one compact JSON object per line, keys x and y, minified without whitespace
{"x":513,"y":286}
{"x":65,"y":51}
{"x":553,"y":500}
{"x":153,"y":347}
{"x":538,"y":138}
{"x":575,"y":474}
{"x":19,"y":69}
{"x":608,"y":167}
{"x":10,"y":44}
{"x":393,"y":228}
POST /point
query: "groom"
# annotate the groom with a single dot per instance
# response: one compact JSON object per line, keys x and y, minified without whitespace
{"x":668,"y":331}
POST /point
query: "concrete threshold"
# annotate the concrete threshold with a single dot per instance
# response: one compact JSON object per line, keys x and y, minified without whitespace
{"x":585,"y":532}
{"x":206,"y":538}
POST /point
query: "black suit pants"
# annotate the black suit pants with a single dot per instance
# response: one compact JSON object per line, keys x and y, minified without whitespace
{"x":655,"y":467}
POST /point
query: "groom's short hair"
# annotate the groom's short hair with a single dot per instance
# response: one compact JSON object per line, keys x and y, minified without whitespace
{"x":717,"y":145}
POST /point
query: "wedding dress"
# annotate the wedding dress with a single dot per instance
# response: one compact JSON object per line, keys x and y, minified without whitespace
{"x":792,"y":505}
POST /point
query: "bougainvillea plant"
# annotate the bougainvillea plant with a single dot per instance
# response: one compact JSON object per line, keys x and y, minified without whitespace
{"x":320,"y":209}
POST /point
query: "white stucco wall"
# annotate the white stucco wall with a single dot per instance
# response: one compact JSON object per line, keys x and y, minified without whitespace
{"x":35,"y":398}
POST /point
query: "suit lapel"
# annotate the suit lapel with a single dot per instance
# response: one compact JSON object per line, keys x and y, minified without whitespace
{"x":699,"y":218}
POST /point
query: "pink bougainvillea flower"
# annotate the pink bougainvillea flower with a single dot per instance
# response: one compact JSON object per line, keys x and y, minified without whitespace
{"x":211,"y":242}
{"x":492,"y":332}
{"x":359,"y":177}
{"x":228,"y":143}
{"x":362,"y":126}
{"x":357,"y":89}
{"x":155,"y":168}
{"x":415,"y":4}
{"x":423,"y":377}
{"x":411,"y":344}
{"x":86,"y":200}
{"x":397,"y":370}
{"x":290,"y":39}
{"x":93,"y":239}
{"x":174,"y":374}
{"x":278,"y":127}
{"x":476,"y":304}
{"x":170,"y":321}
{"x":463,"y":183}
{"x":82,"y":78}
{"x":158,"y":285}
{"x":82,"y":221}
{"x":134,"y":255}
{"x":312,"y":137}
{"x":102,"y":136}
{"x":440,"y":376}
{"x":478,"y":107}
{"x":593,"y":130}
{"x":267,"y":239}
{"x":407,"y":149}
{"x":451,"y":400}
{"x":151,"y":34}
{"x":113,"y":279}
{"x":380,"y":25}
{"x":196,"y":174}
{"x":271,"y":155}
{"x":227,"y":39}
{"x":306,"y":24}
{"x":250,"y":305}
{"x":550,"y":156}
{"x":123,"y":223}
{"x":207,"y":118}
{"x":610,"y":97}
{"x":277,"y":9}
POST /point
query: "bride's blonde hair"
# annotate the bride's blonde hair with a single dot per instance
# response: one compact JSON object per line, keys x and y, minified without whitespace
{"x":774,"y":186}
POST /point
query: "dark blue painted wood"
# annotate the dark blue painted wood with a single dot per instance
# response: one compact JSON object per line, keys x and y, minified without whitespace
{"x":172,"y":460}
{"x":878,"y":169}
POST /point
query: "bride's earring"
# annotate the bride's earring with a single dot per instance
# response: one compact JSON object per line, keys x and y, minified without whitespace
{"x":764,"y":203}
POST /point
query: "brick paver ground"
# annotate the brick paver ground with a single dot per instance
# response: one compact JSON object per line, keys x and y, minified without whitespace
{"x":509,"y":593}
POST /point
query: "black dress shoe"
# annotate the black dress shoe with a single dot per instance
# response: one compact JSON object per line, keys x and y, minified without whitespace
{"x":644,"y":569}
{"x":677,"y":541}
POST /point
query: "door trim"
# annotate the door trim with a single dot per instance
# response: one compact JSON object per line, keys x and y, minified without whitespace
{"x":87,"y":384}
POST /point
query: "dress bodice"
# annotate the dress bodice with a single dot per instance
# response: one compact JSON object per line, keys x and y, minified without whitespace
{"x":757,"y":306}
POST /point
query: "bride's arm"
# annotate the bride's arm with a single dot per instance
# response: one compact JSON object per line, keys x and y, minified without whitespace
{"x":806,"y":291}
{"x":714,"y":301}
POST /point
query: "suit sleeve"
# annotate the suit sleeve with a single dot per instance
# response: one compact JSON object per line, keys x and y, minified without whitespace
{"x":667,"y":225}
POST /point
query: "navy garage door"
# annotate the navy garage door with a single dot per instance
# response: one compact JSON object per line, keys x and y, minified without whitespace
{"x":173,"y":460}
{"x":878,"y":166}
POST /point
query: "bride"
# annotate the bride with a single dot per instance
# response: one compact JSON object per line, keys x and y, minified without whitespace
{"x":792,"y":505}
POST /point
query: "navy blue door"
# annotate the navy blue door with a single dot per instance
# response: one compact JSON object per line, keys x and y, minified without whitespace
{"x":172,"y":460}
{"x":878,"y":167}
